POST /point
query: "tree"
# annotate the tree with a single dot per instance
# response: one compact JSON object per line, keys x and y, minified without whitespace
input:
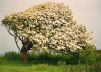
{"x":48,"y":27}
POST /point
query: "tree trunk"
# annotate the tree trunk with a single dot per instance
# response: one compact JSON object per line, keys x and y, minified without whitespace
{"x":25,"y":57}
{"x":26,"y":45}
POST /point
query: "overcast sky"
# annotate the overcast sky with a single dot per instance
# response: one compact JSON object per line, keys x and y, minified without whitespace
{"x":84,"y":11}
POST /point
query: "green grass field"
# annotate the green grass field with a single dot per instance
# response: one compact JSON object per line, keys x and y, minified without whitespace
{"x":12,"y":62}
{"x":15,"y":66}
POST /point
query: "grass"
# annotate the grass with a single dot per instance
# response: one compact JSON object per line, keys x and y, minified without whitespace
{"x":16,"y":66}
{"x":10,"y":66}
{"x":12,"y":62}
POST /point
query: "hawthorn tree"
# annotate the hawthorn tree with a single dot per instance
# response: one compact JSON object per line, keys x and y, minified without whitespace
{"x":48,"y":27}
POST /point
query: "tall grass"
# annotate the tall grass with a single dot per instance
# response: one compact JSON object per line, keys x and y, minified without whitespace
{"x":46,"y":61}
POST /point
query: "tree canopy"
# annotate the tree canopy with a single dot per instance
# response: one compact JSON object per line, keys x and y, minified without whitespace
{"x":49,"y":27}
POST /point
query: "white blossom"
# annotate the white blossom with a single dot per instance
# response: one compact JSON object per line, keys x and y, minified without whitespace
{"x":52,"y":26}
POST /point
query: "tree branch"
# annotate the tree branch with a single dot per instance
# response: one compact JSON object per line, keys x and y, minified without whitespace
{"x":15,"y":38}
{"x":19,"y":37}
{"x":10,"y":32}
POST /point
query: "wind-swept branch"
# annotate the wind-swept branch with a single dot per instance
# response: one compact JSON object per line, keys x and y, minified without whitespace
{"x":10,"y":32}
{"x":16,"y":41}
{"x":15,"y":38}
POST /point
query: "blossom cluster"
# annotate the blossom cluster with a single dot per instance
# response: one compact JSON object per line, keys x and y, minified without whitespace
{"x":51,"y":26}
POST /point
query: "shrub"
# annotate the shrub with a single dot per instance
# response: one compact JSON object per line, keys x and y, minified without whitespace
{"x":12,"y":56}
{"x":45,"y":57}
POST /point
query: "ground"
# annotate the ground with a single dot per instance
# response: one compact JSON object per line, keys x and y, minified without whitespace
{"x":15,"y":66}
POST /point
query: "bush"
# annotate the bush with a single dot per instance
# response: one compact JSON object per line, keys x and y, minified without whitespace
{"x":69,"y":59}
{"x":12,"y":56}
{"x":88,"y":56}
{"x":92,"y":58}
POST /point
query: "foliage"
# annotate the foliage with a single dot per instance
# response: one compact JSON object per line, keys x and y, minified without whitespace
{"x":89,"y":56}
{"x":50,"y":27}
{"x":98,"y":51}
{"x":54,"y":59}
{"x":11,"y":56}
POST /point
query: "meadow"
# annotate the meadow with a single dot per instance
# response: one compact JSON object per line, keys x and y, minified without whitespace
{"x":44,"y":62}
{"x":9,"y":66}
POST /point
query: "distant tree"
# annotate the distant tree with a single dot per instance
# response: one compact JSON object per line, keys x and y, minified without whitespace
{"x":48,"y":27}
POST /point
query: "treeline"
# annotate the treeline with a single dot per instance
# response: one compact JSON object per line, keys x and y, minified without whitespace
{"x":98,"y":51}
{"x":83,"y":58}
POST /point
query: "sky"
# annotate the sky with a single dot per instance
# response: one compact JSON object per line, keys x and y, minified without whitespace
{"x":85,"y":12}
